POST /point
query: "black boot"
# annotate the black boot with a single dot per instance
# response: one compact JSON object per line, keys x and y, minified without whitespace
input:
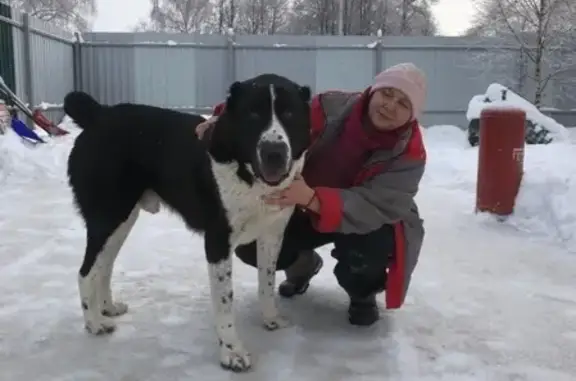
{"x":363,"y":311}
{"x":299,"y":274}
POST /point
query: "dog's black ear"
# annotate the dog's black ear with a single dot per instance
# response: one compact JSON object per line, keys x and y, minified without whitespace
{"x":305,"y":93}
{"x":221,"y":141}
{"x":236,"y":88}
{"x":234,"y":93}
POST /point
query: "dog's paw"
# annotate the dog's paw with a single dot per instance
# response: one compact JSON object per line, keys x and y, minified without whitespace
{"x":276,"y":322}
{"x":99,"y":327}
{"x":115,"y":309}
{"x":235,"y":358}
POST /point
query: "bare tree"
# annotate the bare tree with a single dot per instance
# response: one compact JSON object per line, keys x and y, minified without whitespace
{"x":262,"y":16}
{"x":314,"y":17}
{"x":364,"y":17}
{"x":319,"y":17}
{"x":181,"y":16}
{"x":67,"y":14}
{"x":421,"y":20}
{"x":227,"y":15}
{"x":544,"y":33}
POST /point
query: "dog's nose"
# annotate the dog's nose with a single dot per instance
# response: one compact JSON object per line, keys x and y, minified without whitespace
{"x":274,"y":154}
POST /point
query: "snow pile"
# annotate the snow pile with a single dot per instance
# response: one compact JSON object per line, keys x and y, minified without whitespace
{"x":20,"y":160}
{"x":545,"y":207}
{"x":493,"y":98}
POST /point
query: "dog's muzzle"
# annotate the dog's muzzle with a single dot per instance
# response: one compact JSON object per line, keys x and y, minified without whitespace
{"x":274,"y":163}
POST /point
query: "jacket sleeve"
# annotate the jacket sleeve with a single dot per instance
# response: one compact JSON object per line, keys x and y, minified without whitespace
{"x":386,"y":198}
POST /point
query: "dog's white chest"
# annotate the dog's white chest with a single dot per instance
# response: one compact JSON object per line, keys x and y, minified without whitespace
{"x":249,"y":216}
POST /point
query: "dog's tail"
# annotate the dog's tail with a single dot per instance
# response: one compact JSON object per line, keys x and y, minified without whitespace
{"x":82,"y":108}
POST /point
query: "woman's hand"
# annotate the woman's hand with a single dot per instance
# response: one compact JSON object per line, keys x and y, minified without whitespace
{"x":202,"y":127}
{"x":297,"y":194}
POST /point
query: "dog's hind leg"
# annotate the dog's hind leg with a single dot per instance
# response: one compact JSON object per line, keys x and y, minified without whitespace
{"x":105,"y":236}
{"x":233,"y":356}
{"x":109,"y":307}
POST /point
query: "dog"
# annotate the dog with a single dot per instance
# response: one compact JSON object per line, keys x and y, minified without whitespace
{"x":133,"y":156}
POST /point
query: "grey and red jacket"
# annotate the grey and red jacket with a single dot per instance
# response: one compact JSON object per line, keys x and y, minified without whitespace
{"x":383,"y":190}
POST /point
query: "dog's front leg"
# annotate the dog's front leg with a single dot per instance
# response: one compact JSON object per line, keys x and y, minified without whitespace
{"x":233,"y":356}
{"x":269,"y":246}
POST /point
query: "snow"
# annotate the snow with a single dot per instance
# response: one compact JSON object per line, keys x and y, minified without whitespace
{"x":489,"y":300}
{"x":494,"y":96}
{"x":46,"y":105}
{"x":165,"y":43}
{"x":544,"y":207}
{"x":20,"y":160}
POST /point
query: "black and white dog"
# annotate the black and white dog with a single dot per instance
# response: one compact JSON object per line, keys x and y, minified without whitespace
{"x":130,"y":157}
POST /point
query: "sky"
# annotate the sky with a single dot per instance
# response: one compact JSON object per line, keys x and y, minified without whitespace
{"x":453,"y":16}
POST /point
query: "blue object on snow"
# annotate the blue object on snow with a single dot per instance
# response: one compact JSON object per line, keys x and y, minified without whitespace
{"x":24,"y":131}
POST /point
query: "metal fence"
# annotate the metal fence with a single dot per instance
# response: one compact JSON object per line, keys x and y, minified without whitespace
{"x":193,"y":72}
{"x":38,"y":62}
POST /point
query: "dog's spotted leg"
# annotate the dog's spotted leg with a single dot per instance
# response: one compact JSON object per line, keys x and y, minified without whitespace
{"x":94,"y":277}
{"x":269,"y":245}
{"x":233,"y":356}
{"x":89,"y":286}
{"x":109,"y":307}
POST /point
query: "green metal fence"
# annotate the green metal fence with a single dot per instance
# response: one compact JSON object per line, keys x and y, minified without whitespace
{"x":7,"y":70}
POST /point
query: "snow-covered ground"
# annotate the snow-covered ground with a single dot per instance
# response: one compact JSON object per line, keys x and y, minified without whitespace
{"x":490,"y":301}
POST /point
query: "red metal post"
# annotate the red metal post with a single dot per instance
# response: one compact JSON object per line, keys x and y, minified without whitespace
{"x":500,"y":159}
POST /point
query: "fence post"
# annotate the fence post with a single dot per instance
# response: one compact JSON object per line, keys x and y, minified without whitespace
{"x":28,"y":72}
{"x":230,"y":74}
{"x":77,"y":62}
{"x":378,"y":57}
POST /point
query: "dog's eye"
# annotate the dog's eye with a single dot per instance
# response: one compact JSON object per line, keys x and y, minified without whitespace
{"x":254,"y":115}
{"x":287,"y":115}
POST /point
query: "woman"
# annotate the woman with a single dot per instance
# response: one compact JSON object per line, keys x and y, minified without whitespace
{"x":357,"y":191}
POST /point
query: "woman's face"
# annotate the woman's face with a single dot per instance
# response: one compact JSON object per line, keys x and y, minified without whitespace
{"x":389,"y":109}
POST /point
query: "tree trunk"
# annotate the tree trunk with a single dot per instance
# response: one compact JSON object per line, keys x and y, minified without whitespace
{"x":538,"y":59}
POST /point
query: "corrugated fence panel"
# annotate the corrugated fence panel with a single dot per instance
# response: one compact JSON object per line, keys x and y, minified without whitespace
{"x":52,"y":62}
{"x":195,"y":71}
{"x":297,"y":64}
{"x":7,"y":69}
{"x":20,"y":75}
{"x":272,"y":54}
{"x":349,"y":69}
{"x":211,"y":75}
{"x":344,"y":62}
{"x":180,"y":70}
{"x":465,"y":80}
{"x":108,"y":73}
{"x":165,"y":76}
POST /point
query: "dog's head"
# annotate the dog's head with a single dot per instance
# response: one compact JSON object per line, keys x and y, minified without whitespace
{"x":265,"y":127}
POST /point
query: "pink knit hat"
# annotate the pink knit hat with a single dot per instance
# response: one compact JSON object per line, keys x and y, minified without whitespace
{"x":407,"y":78}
